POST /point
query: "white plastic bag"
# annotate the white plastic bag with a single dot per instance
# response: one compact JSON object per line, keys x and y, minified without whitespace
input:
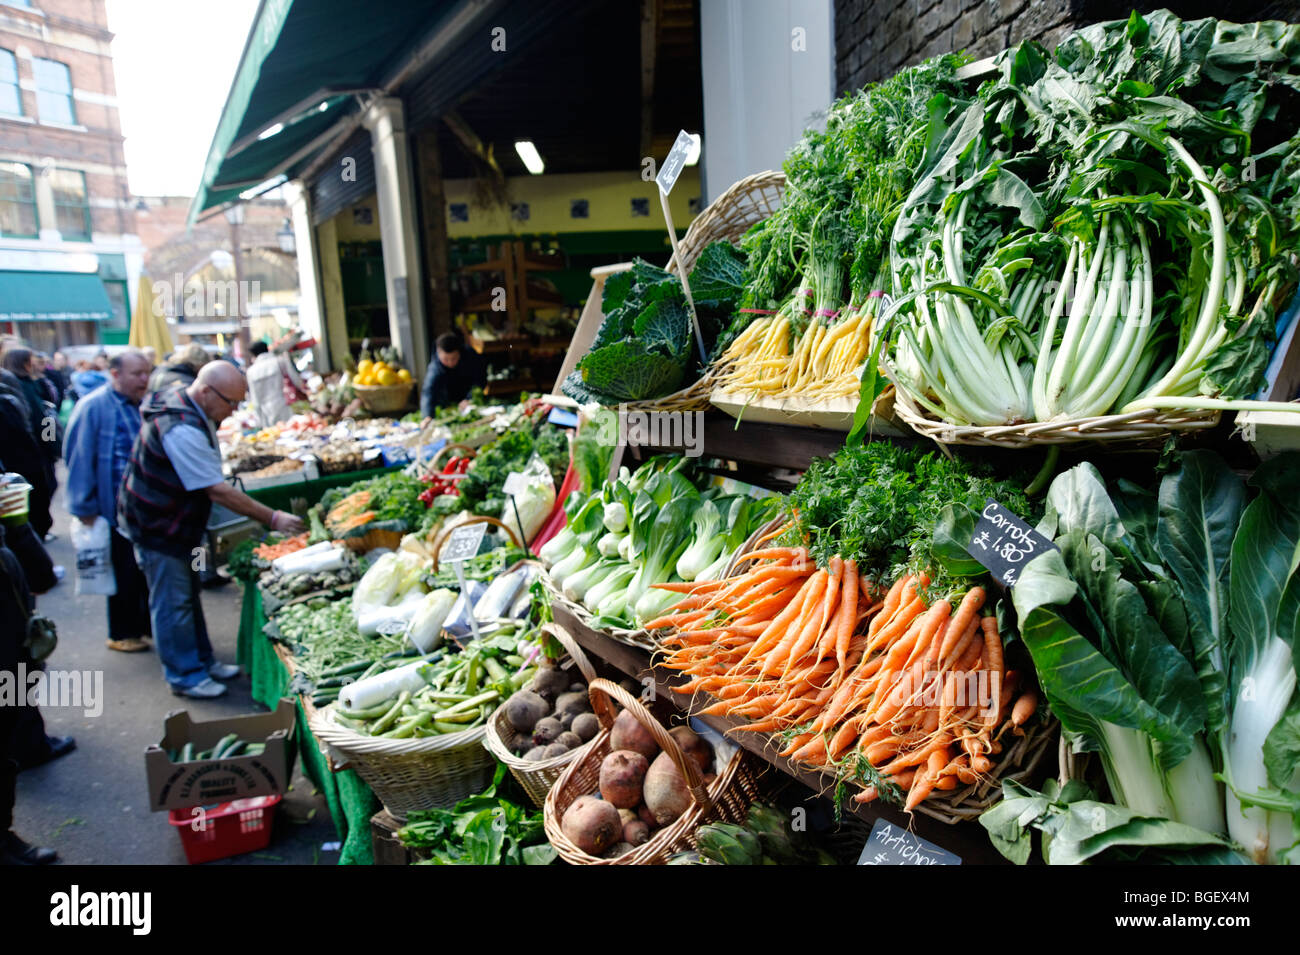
{"x":534,"y":504}
{"x":94,"y":547}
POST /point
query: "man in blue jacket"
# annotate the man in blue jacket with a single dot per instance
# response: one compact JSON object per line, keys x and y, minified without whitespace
{"x":97,"y":450}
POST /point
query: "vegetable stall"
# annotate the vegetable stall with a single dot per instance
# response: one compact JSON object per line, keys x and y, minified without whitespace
{"x":948,"y":528}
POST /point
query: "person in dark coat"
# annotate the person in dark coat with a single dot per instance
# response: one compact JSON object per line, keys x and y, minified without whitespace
{"x":15,"y":605}
{"x":455,"y":370}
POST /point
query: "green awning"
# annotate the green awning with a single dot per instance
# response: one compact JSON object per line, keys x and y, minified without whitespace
{"x":300,"y":54}
{"x":53,"y":297}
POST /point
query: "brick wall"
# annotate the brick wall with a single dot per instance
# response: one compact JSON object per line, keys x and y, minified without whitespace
{"x":875,"y":38}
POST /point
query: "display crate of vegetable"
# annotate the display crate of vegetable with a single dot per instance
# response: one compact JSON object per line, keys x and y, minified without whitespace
{"x":415,"y":734}
{"x":1067,"y":271}
{"x":645,"y":346}
{"x":517,"y":737}
{"x":644,"y":774}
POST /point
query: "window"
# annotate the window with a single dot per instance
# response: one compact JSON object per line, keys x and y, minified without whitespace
{"x":71,"y":207}
{"x":17,"y":200}
{"x":53,"y":92}
{"x":26,"y":4}
{"x":11,"y":100}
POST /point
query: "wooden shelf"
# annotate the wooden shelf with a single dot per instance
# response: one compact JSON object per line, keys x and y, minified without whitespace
{"x":967,"y":840}
{"x":509,"y":386}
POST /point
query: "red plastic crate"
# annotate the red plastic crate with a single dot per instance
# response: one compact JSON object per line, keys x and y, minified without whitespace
{"x":227,"y":829}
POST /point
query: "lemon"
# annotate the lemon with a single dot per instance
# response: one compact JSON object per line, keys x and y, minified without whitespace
{"x":388,"y":377}
{"x":364,"y":365}
{"x":403,"y":376}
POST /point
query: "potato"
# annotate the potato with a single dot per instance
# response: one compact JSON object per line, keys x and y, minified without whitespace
{"x":570,"y":740}
{"x":578,"y":688}
{"x":627,"y":733}
{"x":549,"y":682}
{"x":566,"y":720}
{"x":547,"y":731}
{"x":586,"y":726}
{"x":536,"y":754}
{"x":694,"y":747}
{"x":574,"y":703}
{"x":521,"y":743}
{"x":666,"y":795}
{"x":622,"y":773}
{"x":555,"y":749}
{"x":592,"y":825}
{"x":627,"y":815}
{"x":524,"y":709}
{"x":637,"y":833}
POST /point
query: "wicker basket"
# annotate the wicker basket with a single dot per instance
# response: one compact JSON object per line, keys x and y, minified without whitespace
{"x":730,"y":216}
{"x":370,"y":540}
{"x":764,"y":533}
{"x":407,"y":774}
{"x":538,"y":777}
{"x":1148,"y":427}
{"x":381,"y":399}
{"x":726,"y":799}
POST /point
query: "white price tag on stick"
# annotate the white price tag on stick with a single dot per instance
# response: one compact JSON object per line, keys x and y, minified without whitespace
{"x":516,"y":483}
{"x":671,"y":169}
{"x":675,"y":162}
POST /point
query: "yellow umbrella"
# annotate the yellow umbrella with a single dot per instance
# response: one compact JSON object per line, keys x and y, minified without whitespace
{"x":148,"y":328}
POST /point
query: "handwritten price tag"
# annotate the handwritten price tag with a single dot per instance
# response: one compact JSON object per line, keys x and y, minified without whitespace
{"x":1003,"y":543}
{"x":890,"y":844}
{"x":515,"y":483}
{"x":463,"y":544}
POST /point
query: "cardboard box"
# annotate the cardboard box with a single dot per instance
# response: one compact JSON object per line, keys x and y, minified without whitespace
{"x":200,"y":782}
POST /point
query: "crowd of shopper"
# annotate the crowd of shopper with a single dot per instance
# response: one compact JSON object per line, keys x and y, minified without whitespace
{"x":142,"y":456}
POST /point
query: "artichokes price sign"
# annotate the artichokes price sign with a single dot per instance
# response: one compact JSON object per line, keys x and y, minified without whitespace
{"x":669,"y":172}
{"x":1004,"y":543}
{"x":891,"y":844}
{"x":462,"y":545}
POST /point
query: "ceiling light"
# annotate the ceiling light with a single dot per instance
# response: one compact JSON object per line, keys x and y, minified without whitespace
{"x":270,"y":131}
{"x":532,"y":160}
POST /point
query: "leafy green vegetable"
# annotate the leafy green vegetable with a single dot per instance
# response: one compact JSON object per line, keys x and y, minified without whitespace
{"x":880,"y":504}
{"x":1077,"y":829}
{"x":493,"y":828}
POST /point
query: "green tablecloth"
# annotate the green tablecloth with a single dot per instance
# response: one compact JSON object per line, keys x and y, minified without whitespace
{"x":351,"y":802}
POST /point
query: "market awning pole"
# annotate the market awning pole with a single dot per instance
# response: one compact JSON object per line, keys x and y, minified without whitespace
{"x":681,"y":273}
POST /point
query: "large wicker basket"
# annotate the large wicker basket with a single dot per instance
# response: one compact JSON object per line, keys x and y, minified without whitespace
{"x":1148,"y":426}
{"x":408,"y":774}
{"x":381,"y":399}
{"x":363,"y":543}
{"x":730,"y":216}
{"x":538,"y":777}
{"x":726,"y":799}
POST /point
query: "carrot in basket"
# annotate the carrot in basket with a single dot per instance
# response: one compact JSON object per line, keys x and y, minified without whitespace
{"x":893,"y":601}
{"x":849,"y":615}
{"x":924,"y":782}
{"x":970,"y":603}
{"x":1025,"y":707}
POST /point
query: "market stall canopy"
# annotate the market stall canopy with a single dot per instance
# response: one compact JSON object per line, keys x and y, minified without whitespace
{"x":148,"y":325}
{"x":302,"y":61}
{"x":307,"y":65}
{"x":53,"y":297}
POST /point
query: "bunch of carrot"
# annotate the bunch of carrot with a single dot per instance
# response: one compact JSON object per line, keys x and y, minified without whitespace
{"x":819,"y":656}
{"x":280,"y":549}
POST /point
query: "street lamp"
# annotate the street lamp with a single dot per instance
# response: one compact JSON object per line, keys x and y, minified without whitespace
{"x":235,"y":216}
{"x":288,"y":244}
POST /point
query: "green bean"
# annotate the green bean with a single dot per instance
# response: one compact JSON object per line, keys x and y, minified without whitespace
{"x":390,"y":717}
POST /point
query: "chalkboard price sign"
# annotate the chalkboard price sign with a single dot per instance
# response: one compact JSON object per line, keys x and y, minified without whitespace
{"x":463,"y":543}
{"x":891,"y":844}
{"x":1003,"y":543}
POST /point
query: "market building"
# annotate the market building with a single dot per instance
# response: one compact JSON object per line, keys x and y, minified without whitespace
{"x":411,"y":204}
{"x":69,"y":254}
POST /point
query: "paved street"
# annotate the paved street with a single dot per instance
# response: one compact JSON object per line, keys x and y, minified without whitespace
{"x":90,"y":805}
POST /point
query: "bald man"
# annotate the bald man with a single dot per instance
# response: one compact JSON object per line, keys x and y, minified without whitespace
{"x":172,"y":482}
